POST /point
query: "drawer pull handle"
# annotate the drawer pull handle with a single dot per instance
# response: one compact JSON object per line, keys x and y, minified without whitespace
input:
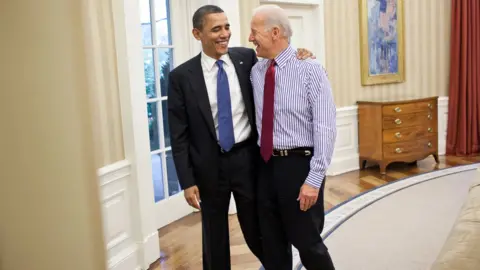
{"x":398,"y":135}
{"x":398,"y":150}
{"x":430,"y":105}
{"x":429,"y":145}
{"x":397,"y":109}
{"x":430,"y":129}
{"x":429,"y":117}
{"x":398,"y":121}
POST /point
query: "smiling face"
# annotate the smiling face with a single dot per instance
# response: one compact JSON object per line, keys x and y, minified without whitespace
{"x":214,"y":35}
{"x":263,"y":38}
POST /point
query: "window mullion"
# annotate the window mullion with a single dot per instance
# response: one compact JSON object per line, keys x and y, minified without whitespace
{"x":153,"y":20}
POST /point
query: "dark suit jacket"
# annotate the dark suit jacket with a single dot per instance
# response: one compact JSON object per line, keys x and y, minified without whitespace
{"x":194,"y":142}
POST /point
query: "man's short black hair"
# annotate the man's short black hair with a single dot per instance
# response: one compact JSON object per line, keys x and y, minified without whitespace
{"x":199,"y":15}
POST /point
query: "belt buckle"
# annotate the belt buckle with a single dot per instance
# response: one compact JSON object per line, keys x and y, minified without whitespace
{"x":308,"y":153}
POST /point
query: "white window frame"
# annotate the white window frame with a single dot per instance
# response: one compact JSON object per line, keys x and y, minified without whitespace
{"x":158,"y":99}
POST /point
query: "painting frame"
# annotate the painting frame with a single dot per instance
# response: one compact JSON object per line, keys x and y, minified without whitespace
{"x":366,"y":77}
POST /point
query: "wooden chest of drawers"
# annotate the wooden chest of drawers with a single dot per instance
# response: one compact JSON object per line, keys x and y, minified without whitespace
{"x":397,"y":131}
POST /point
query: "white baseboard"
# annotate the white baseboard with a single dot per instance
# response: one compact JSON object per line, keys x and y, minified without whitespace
{"x":150,"y":248}
{"x":125,"y":250}
{"x":125,"y":259}
{"x":345,"y":156}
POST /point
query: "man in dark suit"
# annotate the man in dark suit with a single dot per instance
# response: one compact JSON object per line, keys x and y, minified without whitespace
{"x":213,"y":135}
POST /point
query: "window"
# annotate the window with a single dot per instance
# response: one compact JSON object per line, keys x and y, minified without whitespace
{"x":158,"y":61}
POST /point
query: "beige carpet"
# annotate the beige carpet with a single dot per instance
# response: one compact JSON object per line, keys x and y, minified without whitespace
{"x":404,"y":230}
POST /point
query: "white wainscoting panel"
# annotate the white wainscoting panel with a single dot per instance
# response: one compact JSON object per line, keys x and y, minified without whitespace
{"x":345,"y":156}
{"x":120,"y":232}
{"x":442,"y":124}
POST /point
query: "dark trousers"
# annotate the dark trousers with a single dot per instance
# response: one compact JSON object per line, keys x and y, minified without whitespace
{"x":282,"y":222}
{"x":237,"y":176}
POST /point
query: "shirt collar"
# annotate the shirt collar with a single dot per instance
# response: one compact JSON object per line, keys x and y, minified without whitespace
{"x":210,"y":62}
{"x":283,"y":57}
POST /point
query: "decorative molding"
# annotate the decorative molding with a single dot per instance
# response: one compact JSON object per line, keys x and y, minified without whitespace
{"x":336,"y":216}
{"x":150,"y":246}
{"x":116,"y":206}
{"x":124,"y":249}
{"x":125,"y":259}
{"x":442,"y":125}
{"x":345,"y":156}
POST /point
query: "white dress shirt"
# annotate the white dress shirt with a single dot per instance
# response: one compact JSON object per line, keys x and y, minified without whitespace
{"x":241,"y":126}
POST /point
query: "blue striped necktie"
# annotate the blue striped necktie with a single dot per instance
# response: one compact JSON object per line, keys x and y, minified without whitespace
{"x":225,"y":122}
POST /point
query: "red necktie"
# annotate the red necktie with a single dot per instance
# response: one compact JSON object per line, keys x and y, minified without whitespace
{"x":266,"y":140}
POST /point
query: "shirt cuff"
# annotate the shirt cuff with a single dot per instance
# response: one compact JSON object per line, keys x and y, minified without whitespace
{"x":315,"y":179}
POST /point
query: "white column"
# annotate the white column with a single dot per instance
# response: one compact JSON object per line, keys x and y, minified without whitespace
{"x":50,"y":212}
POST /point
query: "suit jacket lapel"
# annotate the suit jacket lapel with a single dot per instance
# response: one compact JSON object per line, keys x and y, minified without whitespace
{"x":244,"y":81}
{"x":200,"y":89}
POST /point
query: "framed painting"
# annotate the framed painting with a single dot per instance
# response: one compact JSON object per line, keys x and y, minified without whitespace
{"x":382,"y":48}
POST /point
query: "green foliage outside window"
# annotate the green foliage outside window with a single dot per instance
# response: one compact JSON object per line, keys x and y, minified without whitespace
{"x":151,"y":93}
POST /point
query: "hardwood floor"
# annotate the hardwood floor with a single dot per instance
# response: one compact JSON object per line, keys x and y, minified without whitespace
{"x":181,"y":242}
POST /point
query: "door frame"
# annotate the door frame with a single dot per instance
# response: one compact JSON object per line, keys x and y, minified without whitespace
{"x":319,"y":12}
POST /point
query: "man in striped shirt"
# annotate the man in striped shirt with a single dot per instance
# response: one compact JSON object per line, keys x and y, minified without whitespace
{"x":295,"y":115}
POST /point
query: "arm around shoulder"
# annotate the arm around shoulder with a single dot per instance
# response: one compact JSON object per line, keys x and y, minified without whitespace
{"x":179,"y":131}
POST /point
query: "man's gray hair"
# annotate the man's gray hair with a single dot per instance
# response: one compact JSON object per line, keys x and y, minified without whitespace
{"x":275,"y":16}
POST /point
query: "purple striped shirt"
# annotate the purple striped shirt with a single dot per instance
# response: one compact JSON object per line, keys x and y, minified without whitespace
{"x":305,"y":113}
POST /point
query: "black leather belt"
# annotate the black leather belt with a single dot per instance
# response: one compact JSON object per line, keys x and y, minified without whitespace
{"x":237,"y":145}
{"x":304,"y":151}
